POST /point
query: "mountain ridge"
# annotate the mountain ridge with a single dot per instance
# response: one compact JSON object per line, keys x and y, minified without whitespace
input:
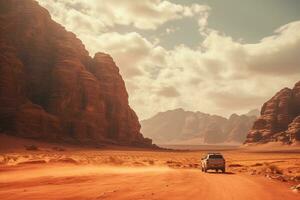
{"x":186,"y":127}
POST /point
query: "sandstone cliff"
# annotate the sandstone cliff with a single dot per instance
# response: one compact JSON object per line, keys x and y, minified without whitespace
{"x":51,"y":88}
{"x":185,"y":127}
{"x":279,"y":120}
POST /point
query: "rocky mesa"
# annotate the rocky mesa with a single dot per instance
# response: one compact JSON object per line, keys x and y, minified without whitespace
{"x":279,"y":120}
{"x":50,"y":88}
{"x":185,"y":127}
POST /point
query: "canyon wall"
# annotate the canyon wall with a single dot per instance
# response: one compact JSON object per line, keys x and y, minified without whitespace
{"x":279,"y":120}
{"x":50,"y":88}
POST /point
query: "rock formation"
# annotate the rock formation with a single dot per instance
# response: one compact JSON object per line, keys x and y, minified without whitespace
{"x":50,"y":88}
{"x":185,"y":127}
{"x":279,"y":120}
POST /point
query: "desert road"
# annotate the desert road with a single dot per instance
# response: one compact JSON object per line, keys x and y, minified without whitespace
{"x":160,"y":183}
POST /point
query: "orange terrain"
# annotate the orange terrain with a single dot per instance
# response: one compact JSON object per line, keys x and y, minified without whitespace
{"x":65,"y":172}
{"x":90,"y":182}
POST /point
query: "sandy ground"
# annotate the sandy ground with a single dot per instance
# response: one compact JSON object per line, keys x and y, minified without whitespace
{"x":65,"y":172}
{"x":90,"y":182}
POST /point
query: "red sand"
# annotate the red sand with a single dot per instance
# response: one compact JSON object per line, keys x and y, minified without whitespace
{"x":90,"y":182}
{"x":131,"y":174}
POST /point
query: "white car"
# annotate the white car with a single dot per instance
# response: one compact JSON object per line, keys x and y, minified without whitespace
{"x":214,"y":161}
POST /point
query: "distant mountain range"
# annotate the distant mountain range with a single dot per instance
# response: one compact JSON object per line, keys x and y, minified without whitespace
{"x":185,"y":127}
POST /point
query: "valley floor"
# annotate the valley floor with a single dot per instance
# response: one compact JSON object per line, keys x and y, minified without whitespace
{"x":90,"y":182}
{"x":64,"y":172}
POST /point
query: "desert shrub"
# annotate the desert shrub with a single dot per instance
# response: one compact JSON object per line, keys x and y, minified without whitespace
{"x":174,"y":164}
{"x":3,"y":159}
{"x":151,"y":162}
{"x":273,"y":169}
{"x":115,"y":160}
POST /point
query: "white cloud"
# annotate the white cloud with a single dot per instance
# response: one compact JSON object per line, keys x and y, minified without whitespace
{"x":136,"y":57}
{"x":146,"y":14}
{"x":277,"y":54}
{"x":221,"y":76}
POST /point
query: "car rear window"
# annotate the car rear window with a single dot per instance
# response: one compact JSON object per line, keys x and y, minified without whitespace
{"x":216,"y":156}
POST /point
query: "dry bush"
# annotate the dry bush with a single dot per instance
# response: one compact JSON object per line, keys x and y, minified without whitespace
{"x":151,"y":162}
{"x":3,"y":159}
{"x":115,"y":160}
{"x":174,"y":164}
{"x":273,"y":169}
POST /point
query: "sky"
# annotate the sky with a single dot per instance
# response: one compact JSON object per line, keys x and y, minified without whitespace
{"x":214,"y":56}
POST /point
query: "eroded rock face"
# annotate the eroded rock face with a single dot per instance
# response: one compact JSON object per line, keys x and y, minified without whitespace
{"x":51,"y":88}
{"x":279,"y":120}
{"x":294,"y":130}
{"x":185,"y":127}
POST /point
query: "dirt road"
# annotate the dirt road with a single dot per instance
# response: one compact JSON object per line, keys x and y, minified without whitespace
{"x":88,"y":182}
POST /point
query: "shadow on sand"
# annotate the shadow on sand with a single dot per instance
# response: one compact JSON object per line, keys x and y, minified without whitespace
{"x":213,"y":172}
